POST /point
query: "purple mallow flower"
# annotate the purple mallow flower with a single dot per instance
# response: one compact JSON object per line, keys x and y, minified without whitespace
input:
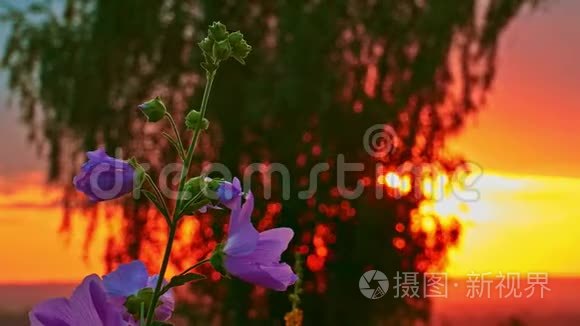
{"x":103,"y":177}
{"x":255,"y":257}
{"x":88,"y":305}
{"x":128,"y":280}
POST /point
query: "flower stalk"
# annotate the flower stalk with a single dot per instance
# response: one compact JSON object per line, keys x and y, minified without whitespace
{"x":129,"y":294}
{"x":178,"y":206}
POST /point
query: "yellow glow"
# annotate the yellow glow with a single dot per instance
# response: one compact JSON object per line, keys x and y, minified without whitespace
{"x":392,"y":180}
{"x":520,"y":223}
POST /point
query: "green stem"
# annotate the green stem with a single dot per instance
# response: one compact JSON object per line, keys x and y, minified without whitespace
{"x":199,"y":263}
{"x":166,"y":255}
{"x":193,"y":144}
{"x":177,"y":210}
{"x":142,"y":314}
{"x":177,"y":136}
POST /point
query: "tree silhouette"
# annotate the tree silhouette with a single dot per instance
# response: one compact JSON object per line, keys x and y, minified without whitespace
{"x":321,"y":73}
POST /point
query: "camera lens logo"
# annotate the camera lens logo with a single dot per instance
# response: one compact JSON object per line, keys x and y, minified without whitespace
{"x":380,"y":284}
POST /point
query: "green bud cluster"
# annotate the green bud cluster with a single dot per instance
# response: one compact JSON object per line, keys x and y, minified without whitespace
{"x":194,"y":186}
{"x":202,"y":184}
{"x":199,"y":192}
{"x":220,"y":45}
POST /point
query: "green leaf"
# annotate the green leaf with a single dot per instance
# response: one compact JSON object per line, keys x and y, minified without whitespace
{"x":192,"y":206}
{"x":180,"y":280}
{"x":155,"y":201}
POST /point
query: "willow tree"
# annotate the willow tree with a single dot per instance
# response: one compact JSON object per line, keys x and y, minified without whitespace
{"x":320,"y":75}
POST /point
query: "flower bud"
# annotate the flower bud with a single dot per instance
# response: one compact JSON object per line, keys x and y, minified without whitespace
{"x":218,"y":31}
{"x":200,"y":193}
{"x":103,"y":177}
{"x":241,"y":50}
{"x":192,"y":121}
{"x":206,"y":45}
{"x":193,"y":187}
{"x":235,"y":38}
{"x":153,"y":109}
{"x":208,"y":186}
{"x":222,"y":50}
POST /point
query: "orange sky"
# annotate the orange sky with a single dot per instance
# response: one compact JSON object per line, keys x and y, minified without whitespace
{"x":526,"y":135}
{"x":32,"y":250}
{"x":529,"y":130}
{"x":530,"y":124}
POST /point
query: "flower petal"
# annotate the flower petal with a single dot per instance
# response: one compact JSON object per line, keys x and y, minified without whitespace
{"x":274,"y":276}
{"x":54,"y":312}
{"x":98,"y":154}
{"x":242,"y":236}
{"x":236,"y":183}
{"x":90,"y":304}
{"x":271,"y":244}
{"x":281,"y":272}
{"x":126,"y":280}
